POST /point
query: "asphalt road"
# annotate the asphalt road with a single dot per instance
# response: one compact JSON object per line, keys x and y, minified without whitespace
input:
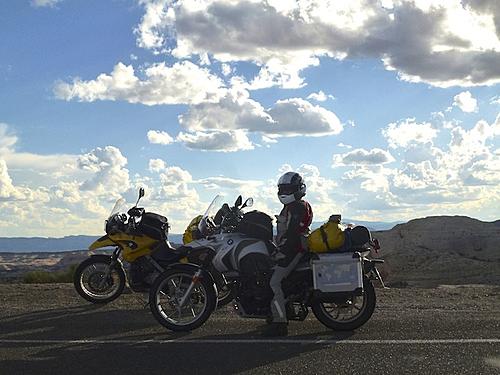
{"x":48,"y":329}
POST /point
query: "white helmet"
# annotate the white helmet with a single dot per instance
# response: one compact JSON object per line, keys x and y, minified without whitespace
{"x":291,"y":187}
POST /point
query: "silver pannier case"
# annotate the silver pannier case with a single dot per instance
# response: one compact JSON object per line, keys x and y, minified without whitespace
{"x":337,"y":273}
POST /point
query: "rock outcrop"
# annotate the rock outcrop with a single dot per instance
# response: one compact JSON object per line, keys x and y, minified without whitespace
{"x":442,"y":250}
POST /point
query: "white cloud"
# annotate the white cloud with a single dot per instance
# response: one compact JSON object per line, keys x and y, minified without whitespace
{"x":268,"y":140}
{"x":374,"y":178}
{"x":455,"y":45}
{"x":182,"y":83}
{"x":44,"y":3}
{"x":287,"y":118}
{"x":221,"y":141}
{"x":175,"y":184}
{"x":7,"y":141}
{"x":226,"y":183}
{"x":237,"y":111}
{"x":56,"y":164}
{"x":159,"y":137}
{"x":226,"y":69}
{"x":406,"y":132}
{"x":495,"y":100}
{"x":320,"y":96}
{"x":204,"y":59}
{"x":460,"y":178}
{"x":156,"y":20}
{"x":361,"y":156}
{"x":284,"y":74}
{"x":234,"y":111}
{"x":297,"y":116}
{"x":341,"y":144}
{"x":109,"y":175}
{"x":157,"y":165}
{"x":7,"y":189}
{"x":465,"y":101}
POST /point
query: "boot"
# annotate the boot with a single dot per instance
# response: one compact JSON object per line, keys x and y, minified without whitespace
{"x":275,"y":329}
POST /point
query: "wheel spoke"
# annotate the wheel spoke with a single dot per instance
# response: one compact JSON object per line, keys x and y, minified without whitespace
{"x":178,"y":284}
{"x":173,"y":283}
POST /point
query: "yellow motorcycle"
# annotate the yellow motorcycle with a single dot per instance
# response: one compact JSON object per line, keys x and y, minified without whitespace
{"x":139,"y":238}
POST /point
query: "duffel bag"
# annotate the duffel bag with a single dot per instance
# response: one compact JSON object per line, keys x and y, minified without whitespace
{"x":327,"y":237}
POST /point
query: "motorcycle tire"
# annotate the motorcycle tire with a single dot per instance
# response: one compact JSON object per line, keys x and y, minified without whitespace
{"x":367,"y":311}
{"x":93,"y":297}
{"x":157,"y":310}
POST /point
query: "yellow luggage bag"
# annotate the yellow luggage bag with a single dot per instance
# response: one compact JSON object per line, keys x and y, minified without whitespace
{"x":327,"y":237}
{"x":190,"y":234}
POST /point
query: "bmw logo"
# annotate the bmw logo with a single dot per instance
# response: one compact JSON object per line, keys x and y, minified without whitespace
{"x":230,"y":242}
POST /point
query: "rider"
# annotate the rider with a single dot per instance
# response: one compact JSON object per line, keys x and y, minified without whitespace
{"x":293,"y":224}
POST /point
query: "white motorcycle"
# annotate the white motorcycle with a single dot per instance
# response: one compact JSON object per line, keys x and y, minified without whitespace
{"x":237,"y":249}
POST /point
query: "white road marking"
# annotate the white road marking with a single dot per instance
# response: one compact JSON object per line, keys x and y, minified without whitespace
{"x":258,"y":341}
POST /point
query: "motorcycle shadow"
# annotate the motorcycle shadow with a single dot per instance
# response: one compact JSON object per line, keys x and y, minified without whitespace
{"x":223,"y":355}
{"x":75,"y":323}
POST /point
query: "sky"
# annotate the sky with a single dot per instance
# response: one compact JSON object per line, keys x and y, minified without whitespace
{"x":388,"y":109}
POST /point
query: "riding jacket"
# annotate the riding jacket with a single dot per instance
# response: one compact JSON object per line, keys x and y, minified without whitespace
{"x":293,"y":225}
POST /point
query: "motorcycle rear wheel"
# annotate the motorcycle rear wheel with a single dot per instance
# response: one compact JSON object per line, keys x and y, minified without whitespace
{"x":90,"y":284}
{"x":329,"y":314}
{"x":165,"y":295}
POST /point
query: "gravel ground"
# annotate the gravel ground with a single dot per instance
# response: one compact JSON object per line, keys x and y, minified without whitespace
{"x":445,"y":330}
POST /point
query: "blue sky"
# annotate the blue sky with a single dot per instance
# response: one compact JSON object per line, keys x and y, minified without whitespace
{"x":389,"y":109}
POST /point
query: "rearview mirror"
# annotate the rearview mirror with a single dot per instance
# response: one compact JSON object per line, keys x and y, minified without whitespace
{"x":238,"y":202}
{"x":141,"y":194}
{"x":248,"y":203}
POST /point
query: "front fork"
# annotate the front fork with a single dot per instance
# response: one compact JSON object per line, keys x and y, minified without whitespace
{"x":194,"y":281}
{"x":112,"y":264}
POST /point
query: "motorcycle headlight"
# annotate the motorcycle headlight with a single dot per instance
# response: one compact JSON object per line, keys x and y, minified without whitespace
{"x":114,"y":224}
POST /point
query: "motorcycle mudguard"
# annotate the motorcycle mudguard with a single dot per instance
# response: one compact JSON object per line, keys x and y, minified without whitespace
{"x":104,"y":241}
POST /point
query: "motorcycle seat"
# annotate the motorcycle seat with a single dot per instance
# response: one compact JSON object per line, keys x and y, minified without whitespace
{"x":166,"y":252}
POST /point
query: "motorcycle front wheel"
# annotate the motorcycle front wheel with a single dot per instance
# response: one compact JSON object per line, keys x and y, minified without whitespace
{"x":96,"y":282}
{"x":349,"y":314}
{"x":167,"y":293}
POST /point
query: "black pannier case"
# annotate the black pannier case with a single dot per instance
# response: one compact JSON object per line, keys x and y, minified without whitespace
{"x":154,"y":226}
{"x":256,"y":224}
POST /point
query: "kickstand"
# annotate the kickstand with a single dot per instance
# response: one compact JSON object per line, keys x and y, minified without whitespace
{"x":379,"y":277}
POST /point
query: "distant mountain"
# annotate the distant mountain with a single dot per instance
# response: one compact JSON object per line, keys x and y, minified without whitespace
{"x":44,"y":244}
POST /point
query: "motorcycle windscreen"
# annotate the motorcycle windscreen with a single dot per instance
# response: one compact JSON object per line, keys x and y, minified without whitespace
{"x":210,"y":212}
{"x":119,"y":204}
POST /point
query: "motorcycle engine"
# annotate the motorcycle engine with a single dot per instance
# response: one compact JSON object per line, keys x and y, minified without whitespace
{"x":142,"y":274}
{"x":255,"y":294}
